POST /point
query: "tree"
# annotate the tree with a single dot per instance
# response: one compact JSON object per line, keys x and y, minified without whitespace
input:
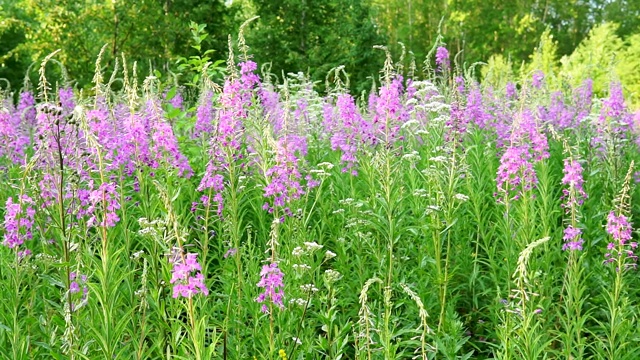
{"x":317,"y":35}
{"x":152,"y":32}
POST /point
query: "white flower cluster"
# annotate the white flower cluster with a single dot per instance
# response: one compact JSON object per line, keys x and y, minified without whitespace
{"x":332,"y":276}
{"x":308,"y":288}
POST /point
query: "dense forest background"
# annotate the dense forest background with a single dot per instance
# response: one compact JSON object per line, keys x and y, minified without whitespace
{"x":572,"y":38}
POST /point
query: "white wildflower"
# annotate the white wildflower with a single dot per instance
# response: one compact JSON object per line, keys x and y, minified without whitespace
{"x":308,"y":288}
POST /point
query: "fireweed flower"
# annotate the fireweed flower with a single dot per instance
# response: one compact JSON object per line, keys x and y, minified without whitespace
{"x":620,"y":229}
{"x":164,"y":146}
{"x":235,"y":102}
{"x":26,"y":109}
{"x":527,"y":146}
{"x":78,"y":289}
{"x":271,"y":280}
{"x":14,"y":138}
{"x":106,"y":198}
{"x":18,"y":221}
{"x":572,"y":239}
{"x":230,"y":253}
{"x":615,"y":122}
{"x":388,"y":113}
{"x":106,"y":131}
{"x":348,"y":130}
{"x":134,"y":152}
{"x":515,"y":173}
{"x":283,"y":178}
{"x":537,"y":79}
{"x":176,"y":101}
{"x":204,"y":115}
{"x":24,"y":253}
{"x":575,"y":194}
{"x":442,"y":58}
{"x":16,"y":124}
{"x":456,"y":125}
{"x":78,"y":282}
{"x":562,"y":116}
{"x":57,"y":136}
{"x":511,"y":91}
{"x":228,"y":133}
{"x":500,"y":117}
{"x":186,"y":276}
{"x":527,"y":131}
{"x":66,"y":99}
{"x":475,"y":111}
{"x":460,"y":88}
{"x":582,"y":99}
{"x":272,"y":106}
{"x":294,"y":110}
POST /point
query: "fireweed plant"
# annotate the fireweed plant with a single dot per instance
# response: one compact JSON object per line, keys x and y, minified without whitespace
{"x":433,"y":217}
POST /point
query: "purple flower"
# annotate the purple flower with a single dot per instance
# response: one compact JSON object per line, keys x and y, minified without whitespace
{"x":271,"y":280}
{"x":15,"y":127}
{"x":515,"y":173}
{"x":348,"y":130}
{"x":615,"y":122}
{"x":164,"y":143}
{"x":442,"y":58}
{"x":230,"y":252}
{"x":511,"y":91}
{"x":575,"y":194}
{"x":537,"y":79}
{"x":107,"y":131}
{"x":204,"y":115}
{"x":527,"y":131}
{"x":134,"y":152}
{"x":582,"y":99}
{"x":65,"y":96}
{"x":74,"y":287}
{"x":572,"y":239}
{"x":284,"y":177}
{"x":176,"y":101}
{"x":105,"y":198}
{"x":620,"y":229}
{"x":24,"y":253}
{"x":186,"y":276}
{"x":27,"y":109}
{"x":460,"y":85}
{"x":18,"y":221}
{"x":456,"y":125}
{"x":78,"y":282}
{"x":388,"y":112}
{"x":228,"y":130}
{"x":475,"y":111}
{"x":559,"y":114}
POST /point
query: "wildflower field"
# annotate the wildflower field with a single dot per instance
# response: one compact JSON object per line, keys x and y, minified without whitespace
{"x":433,"y":217}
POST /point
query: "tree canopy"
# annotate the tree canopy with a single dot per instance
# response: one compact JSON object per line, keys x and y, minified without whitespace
{"x":297,"y":35}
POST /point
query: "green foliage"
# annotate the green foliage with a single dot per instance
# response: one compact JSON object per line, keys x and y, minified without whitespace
{"x":629,"y":68}
{"x":315,"y":36}
{"x":198,"y":65}
{"x":595,"y":58}
{"x":544,"y":57}
{"x":498,"y":71}
{"x":153,"y":33}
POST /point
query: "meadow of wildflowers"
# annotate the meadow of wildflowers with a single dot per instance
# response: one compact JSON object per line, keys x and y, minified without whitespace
{"x":434,"y":218}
